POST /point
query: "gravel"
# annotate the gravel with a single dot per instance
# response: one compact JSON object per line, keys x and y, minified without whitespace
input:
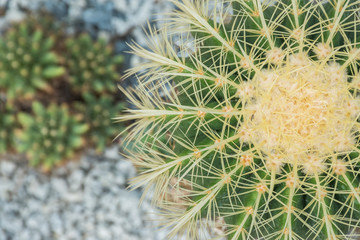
{"x":82,"y":200}
{"x":86,"y":199}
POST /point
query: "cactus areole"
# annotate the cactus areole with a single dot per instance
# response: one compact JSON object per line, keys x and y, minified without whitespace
{"x":248,"y":111}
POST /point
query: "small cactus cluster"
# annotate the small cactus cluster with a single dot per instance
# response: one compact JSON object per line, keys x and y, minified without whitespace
{"x":50,"y":134}
{"x":97,"y":112}
{"x":91,"y":64}
{"x":7,"y":128}
{"x":250,"y":109}
{"x":93,"y":75}
{"x":26,"y":62}
{"x":42,"y":79}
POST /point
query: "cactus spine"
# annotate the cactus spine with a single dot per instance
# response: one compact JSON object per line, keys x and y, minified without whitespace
{"x":253,"y":109}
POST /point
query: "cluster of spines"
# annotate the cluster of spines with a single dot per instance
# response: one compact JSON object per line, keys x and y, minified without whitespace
{"x":191,"y":107}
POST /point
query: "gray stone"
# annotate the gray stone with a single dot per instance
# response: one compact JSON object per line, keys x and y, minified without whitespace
{"x":103,"y":232}
{"x":89,"y":225}
{"x":126,"y":169}
{"x":3,"y":3}
{"x":130,"y":237}
{"x":39,"y":223}
{"x":7,"y":168}
{"x":6,"y":189}
{"x":106,"y":200}
{"x":76,"y":180}
{"x":60,"y":171}
{"x":72,"y":165}
{"x":102,"y":1}
{"x":70,"y":221}
{"x":100,"y":216}
{"x":133,"y":216}
{"x":121,"y":5}
{"x":104,"y":166}
{"x":32,"y":205}
{"x":85,"y":163}
{"x":112,"y":152}
{"x":11,"y":222}
{"x":105,"y":35}
{"x":59,"y":185}
{"x":14,"y":15}
{"x":114,"y":189}
{"x":90,"y":237}
{"x":56,"y":223}
{"x":106,"y":180}
{"x":19,"y":176}
{"x":99,"y":16}
{"x":26,"y":234}
{"x":117,"y":231}
{"x":73,"y":234}
{"x":36,"y":189}
{"x":44,"y":228}
{"x":77,"y":208}
{"x":76,"y":9}
{"x":33,"y":221}
{"x":139,"y":36}
{"x":120,"y":26}
{"x":31,"y":5}
{"x":2,"y":234}
{"x":90,"y":202}
{"x":94,"y":189}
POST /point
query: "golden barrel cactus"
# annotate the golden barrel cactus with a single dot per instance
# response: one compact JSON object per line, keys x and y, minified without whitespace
{"x":248,"y":111}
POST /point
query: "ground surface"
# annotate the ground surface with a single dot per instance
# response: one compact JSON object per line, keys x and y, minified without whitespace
{"x":83,"y":200}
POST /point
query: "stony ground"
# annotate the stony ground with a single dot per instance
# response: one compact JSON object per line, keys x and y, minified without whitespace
{"x":85,"y":200}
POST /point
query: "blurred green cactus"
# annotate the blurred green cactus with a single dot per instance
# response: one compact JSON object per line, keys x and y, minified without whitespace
{"x":92,"y":66}
{"x":50,"y":134}
{"x":26,"y":61}
{"x":250,"y":110}
{"x":38,"y":66}
{"x":97,"y":112}
{"x":7,"y":127}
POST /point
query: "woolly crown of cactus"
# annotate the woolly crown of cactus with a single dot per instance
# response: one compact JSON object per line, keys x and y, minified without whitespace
{"x":248,"y":112}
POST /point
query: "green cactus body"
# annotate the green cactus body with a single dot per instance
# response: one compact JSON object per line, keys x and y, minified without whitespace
{"x":26,"y":61}
{"x":7,"y":125}
{"x":50,"y":135}
{"x":97,"y":112}
{"x":91,"y":64}
{"x":250,"y":110}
